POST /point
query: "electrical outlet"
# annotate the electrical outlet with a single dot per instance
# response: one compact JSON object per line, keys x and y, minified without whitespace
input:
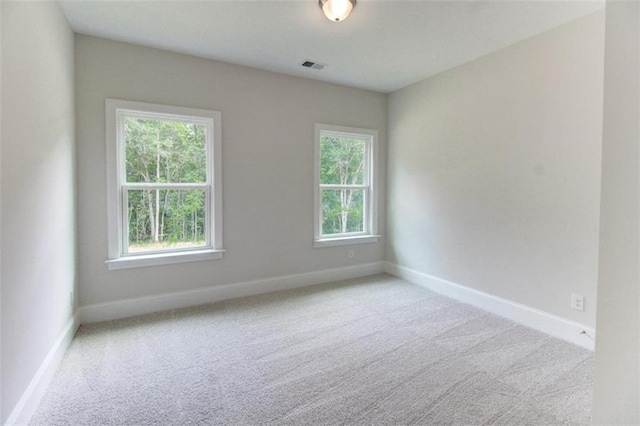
{"x":577,"y":302}
{"x":350,"y":253}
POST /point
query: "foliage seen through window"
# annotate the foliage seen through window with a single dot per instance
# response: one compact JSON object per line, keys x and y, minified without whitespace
{"x":342,"y":164}
{"x":157,"y":152}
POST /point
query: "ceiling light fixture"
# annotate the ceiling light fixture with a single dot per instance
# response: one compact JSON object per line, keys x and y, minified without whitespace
{"x":337,"y":10}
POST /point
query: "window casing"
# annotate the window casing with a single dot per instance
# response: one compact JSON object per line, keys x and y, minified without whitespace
{"x":345,"y":185}
{"x":191,"y":140}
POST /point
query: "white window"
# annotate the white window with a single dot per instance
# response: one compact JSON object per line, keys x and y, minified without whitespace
{"x":345,"y":185}
{"x":163,"y":184}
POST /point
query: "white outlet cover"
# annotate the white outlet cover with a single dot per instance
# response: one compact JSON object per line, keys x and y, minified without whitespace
{"x":577,"y":302}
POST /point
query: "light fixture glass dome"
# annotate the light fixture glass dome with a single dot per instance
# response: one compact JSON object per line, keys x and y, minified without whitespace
{"x":337,"y":10}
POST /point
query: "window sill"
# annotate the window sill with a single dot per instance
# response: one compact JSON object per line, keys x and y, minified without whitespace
{"x":163,"y":259}
{"x":345,"y":241}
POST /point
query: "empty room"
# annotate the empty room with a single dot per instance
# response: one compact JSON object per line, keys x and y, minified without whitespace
{"x":330,"y":212}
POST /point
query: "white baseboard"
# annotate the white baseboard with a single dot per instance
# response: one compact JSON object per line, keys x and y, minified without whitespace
{"x":553,"y":325}
{"x":144,"y":305}
{"x":30,"y":399}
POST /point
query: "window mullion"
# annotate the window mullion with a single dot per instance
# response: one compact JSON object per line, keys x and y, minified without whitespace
{"x":174,"y":186}
{"x":332,"y":186}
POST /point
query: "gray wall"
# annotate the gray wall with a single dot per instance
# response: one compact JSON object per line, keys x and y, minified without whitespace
{"x":494,"y":171}
{"x":267,"y":150}
{"x":617,"y":369}
{"x":38,"y":184}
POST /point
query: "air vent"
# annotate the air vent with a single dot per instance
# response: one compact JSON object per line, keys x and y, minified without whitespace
{"x":312,"y":65}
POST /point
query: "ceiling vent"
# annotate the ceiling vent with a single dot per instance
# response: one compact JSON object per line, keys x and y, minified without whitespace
{"x":312,"y":65}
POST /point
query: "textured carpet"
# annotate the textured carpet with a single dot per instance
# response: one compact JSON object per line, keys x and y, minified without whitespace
{"x":376,"y":350}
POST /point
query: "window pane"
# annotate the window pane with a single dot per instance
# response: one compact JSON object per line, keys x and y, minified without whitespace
{"x":342,"y":161}
{"x":164,"y":151}
{"x":166,"y":219}
{"x":342,"y":211}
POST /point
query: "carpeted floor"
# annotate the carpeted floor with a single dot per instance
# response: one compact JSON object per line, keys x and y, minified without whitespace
{"x":370,"y":351}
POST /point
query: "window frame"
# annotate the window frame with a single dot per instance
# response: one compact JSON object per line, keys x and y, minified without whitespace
{"x":370,"y":187}
{"x":117,"y":187}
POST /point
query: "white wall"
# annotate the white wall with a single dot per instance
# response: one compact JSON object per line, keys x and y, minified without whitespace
{"x":267,"y":150}
{"x":38,"y":181}
{"x":617,"y":367}
{"x":494,"y":171}
{"x":1,"y":387}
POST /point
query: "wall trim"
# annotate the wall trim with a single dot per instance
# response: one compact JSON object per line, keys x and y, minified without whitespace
{"x":145,"y":305}
{"x":31,"y":397}
{"x":553,"y":325}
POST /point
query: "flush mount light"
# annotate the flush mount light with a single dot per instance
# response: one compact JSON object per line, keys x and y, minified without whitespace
{"x":337,"y":10}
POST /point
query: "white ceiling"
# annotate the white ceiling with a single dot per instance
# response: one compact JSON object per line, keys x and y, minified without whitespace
{"x":382,"y":46}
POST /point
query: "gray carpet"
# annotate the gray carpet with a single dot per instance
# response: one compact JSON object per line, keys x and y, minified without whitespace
{"x":376,"y":350}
